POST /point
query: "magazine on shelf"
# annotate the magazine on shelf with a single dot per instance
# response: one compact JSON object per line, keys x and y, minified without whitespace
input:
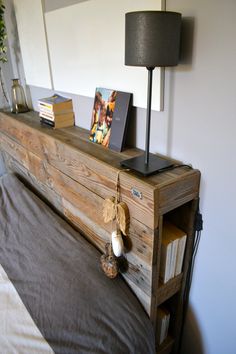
{"x":110,"y":118}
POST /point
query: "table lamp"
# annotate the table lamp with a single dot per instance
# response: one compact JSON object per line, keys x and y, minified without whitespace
{"x":152,"y":39}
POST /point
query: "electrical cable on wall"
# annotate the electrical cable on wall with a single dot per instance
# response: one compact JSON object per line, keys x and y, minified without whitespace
{"x":198,"y":227}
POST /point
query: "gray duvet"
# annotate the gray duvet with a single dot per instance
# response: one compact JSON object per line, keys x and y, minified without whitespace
{"x":58,"y":277}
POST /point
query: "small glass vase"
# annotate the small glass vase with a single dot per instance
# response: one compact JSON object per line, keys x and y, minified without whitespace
{"x":19,"y":104}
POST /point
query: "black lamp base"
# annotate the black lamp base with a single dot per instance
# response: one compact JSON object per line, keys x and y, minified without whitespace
{"x":156,"y":164}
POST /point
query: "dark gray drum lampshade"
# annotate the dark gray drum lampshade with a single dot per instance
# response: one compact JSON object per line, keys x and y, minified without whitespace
{"x":152,"y":38}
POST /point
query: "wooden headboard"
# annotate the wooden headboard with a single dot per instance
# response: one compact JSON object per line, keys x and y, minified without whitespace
{"x":75,"y":176}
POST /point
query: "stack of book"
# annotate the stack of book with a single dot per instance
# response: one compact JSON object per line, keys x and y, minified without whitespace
{"x":56,"y":111}
{"x":172,"y":251}
{"x":163,"y":320}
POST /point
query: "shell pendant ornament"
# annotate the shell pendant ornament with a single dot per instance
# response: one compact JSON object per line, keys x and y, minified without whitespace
{"x":114,"y":209}
{"x":117,"y":243}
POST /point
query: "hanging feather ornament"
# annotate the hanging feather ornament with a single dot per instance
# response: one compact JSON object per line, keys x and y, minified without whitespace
{"x":109,"y":209}
{"x":122,"y":217}
{"x":114,"y":209}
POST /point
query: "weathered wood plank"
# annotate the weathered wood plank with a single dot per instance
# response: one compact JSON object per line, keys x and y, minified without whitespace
{"x":43,"y":191}
{"x":169,"y":289}
{"x":179,"y":192}
{"x":140,"y":236}
{"x":91,"y":172}
{"x":83,"y":208}
{"x":188,"y":226}
{"x":69,"y":151}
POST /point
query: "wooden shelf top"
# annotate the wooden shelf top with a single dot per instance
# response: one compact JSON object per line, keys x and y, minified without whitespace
{"x":77,"y":138}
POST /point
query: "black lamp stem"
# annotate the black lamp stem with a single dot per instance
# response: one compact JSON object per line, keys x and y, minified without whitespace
{"x":147,"y":164}
{"x":148,"y":117}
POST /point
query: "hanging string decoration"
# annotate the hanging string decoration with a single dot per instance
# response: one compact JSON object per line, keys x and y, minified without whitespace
{"x":115,"y":210}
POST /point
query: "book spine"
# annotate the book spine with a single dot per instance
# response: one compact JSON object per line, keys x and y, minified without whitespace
{"x":165,"y":262}
{"x":57,"y":118}
{"x":180,"y":255}
{"x":53,"y":113}
{"x":45,"y":106}
{"x":174,"y":248}
{"x":47,"y":116}
{"x":47,"y":122}
{"x":167,"y":323}
{"x":163,"y":319}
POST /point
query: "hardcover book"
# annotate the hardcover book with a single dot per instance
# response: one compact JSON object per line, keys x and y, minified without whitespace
{"x":110,"y":117}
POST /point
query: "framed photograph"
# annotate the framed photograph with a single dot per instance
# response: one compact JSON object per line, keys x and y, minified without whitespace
{"x":110,"y":117}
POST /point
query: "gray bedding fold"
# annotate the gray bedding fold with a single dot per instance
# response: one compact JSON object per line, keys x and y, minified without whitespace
{"x":2,"y":165}
{"x":58,"y":277}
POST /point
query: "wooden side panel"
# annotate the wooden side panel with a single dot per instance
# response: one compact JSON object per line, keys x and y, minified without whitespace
{"x":181,"y":191}
{"x":187,"y":218}
{"x":167,"y":290}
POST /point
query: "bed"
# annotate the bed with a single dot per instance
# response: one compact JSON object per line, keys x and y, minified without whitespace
{"x":54,"y":296}
{"x":53,"y":234}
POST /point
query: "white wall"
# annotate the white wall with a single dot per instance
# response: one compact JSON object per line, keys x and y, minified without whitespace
{"x":198,"y":126}
{"x":79,"y":48}
{"x":201,"y":112}
{"x":33,"y":42}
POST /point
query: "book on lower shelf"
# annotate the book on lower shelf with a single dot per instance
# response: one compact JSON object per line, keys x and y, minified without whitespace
{"x":172,"y":251}
{"x":163,"y":320}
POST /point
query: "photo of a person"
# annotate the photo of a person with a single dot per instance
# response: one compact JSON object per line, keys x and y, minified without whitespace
{"x":103,"y":109}
{"x":95,"y":114}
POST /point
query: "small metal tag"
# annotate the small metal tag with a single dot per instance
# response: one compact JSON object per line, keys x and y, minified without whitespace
{"x":136,"y":193}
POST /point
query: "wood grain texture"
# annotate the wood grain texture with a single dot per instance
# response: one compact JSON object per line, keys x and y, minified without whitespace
{"x":84,"y":209}
{"x":44,"y":192}
{"x":169,"y":289}
{"x":89,"y":164}
{"x":75,"y":176}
